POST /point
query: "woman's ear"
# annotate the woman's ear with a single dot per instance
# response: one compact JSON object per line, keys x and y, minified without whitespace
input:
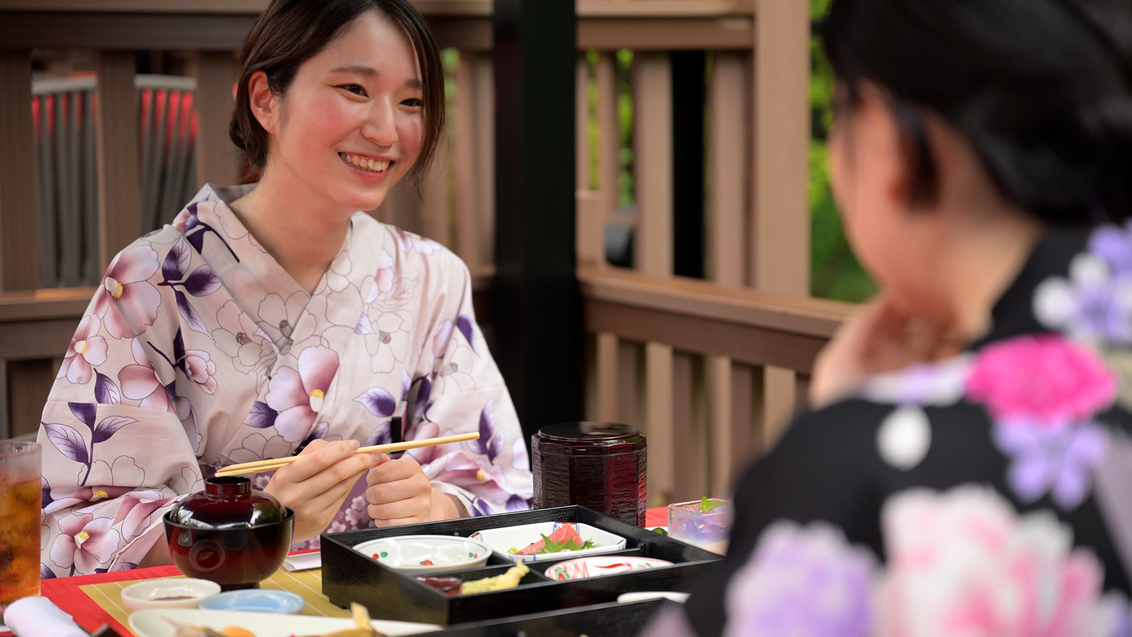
{"x":264,"y":104}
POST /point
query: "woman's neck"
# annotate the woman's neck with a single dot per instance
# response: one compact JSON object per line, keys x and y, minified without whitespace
{"x":984,"y":264}
{"x":287,"y":220}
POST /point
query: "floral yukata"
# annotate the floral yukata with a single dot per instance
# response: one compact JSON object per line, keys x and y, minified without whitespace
{"x":987,"y":494}
{"x":199,"y":351}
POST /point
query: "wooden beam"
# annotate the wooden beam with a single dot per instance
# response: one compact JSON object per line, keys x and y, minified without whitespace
{"x":746,"y":344}
{"x":122,"y":31}
{"x":119,"y":199}
{"x":19,"y":234}
{"x":217,"y":158}
{"x":665,"y":34}
{"x":34,"y":340}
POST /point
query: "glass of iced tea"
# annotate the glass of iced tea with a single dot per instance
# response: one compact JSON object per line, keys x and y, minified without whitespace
{"x":20,"y":505}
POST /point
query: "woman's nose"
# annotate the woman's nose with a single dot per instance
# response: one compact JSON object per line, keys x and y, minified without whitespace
{"x":381,"y":125}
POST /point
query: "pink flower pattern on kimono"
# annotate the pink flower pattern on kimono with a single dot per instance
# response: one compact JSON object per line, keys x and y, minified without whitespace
{"x":87,"y":348}
{"x":298,"y":395}
{"x":84,"y":543}
{"x":384,"y":278}
{"x":82,"y":495}
{"x":463,"y":471}
{"x":126,"y":301}
{"x":1044,"y":379}
{"x":410,"y":242}
{"x":428,"y":455}
{"x":199,"y":368}
{"x":135,"y":512}
{"x":963,"y":563}
{"x":140,"y":381}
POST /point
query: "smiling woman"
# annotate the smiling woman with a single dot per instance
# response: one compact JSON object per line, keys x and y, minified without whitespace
{"x":276,"y":319}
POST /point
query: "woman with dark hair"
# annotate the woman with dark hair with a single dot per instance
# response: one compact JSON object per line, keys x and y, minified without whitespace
{"x":276,"y":319}
{"x":965,"y":467}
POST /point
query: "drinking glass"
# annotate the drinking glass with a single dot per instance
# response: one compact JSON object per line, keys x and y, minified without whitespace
{"x":20,"y":506}
{"x":704,"y":523}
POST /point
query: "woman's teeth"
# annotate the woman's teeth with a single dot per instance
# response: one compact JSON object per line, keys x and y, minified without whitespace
{"x":365,"y":163}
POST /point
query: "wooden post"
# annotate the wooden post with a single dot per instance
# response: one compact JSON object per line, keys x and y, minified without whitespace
{"x":652,"y":86}
{"x":119,"y":200}
{"x":728,"y":197}
{"x":216,"y":156}
{"x":467,"y":231}
{"x":485,"y":154}
{"x":436,"y":200}
{"x":538,"y":318}
{"x":780,"y":232}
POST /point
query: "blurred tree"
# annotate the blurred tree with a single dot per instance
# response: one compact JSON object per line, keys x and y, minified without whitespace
{"x":835,"y":272}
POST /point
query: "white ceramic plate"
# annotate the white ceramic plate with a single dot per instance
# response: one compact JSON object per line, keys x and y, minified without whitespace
{"x":149,"y":623}
{"x":519,"y":537}
{"x":446,"y":552}
{"x":601,"y":566}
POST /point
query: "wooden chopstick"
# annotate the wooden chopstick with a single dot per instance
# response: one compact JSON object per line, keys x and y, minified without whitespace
{"x":275,"y":463}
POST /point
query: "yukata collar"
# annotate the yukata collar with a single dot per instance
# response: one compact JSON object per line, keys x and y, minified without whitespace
{"x":1013,"y":313}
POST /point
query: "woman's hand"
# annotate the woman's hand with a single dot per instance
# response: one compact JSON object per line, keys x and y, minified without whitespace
{"x":316,"y":484}
{"x":400,"y":493}
{"x":877,"y":338}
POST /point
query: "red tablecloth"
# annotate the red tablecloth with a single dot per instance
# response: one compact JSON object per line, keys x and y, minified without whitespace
{"x":65,"y":592}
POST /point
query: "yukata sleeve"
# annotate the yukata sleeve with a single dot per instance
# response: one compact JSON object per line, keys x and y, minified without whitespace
{"x":118,"y":443}
{"x":463,"y":393}
{"x":825,"y":468}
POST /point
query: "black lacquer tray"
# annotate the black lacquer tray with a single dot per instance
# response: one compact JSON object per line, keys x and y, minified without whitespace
{"x":603,"y":620}
{"x":349,"y":576}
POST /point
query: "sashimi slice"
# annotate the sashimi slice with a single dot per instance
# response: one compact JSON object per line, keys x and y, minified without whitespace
{"x":564,"y":533}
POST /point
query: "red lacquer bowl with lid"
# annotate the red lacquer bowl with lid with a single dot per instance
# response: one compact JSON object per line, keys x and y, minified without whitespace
{"x":229,"y":534}
{"x":599,"y":465}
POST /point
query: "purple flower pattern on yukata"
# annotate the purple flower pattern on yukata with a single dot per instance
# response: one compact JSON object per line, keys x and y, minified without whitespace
{"x":200,"y":282}
{"x":298,"y":395}
{"x":802,"y":581}
{"x":937,"y":384}
{"x":1094,"y":303}
{"x":126,"y":301}
{"x":87,"y":349}
{"x":84,"y":543}
{"x":1043,"y":393}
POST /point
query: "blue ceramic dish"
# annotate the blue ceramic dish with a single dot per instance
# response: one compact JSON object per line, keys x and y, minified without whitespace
{"x":256,"y":601}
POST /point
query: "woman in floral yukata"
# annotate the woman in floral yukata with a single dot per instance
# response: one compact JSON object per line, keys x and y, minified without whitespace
{"x":279,"y":320}
{"x":966,"y":468}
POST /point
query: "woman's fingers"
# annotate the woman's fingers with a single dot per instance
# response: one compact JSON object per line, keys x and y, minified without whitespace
{"x":315,"y":459}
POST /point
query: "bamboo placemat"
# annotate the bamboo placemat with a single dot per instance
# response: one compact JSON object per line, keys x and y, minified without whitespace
{"x":307,"y":584}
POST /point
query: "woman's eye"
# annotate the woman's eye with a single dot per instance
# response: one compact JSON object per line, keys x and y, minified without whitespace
{"x":413,"y":103}
{"x":354,"y":88}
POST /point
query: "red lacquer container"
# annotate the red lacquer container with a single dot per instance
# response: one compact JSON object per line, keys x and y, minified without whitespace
{"x":229,"y":534}
{"x":598,"y":465}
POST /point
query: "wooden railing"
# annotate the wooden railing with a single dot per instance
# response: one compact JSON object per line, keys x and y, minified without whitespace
{"x":710,"y":370}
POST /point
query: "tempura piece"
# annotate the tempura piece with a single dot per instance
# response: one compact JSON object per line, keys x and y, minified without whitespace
{"x":362,"y":622}
{"x":510,"y":579}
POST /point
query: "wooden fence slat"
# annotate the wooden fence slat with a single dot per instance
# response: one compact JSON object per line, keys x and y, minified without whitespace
{"x":630,"y":399}
{"x":119,"y":200}
{"x":659,"y":384}
{"x":436,"y":203}
{"x":18,"y":219}
{"x":582,"y":124}
{"x":70,"y":217}
{"x":48,"y":267}
{"x":608,"y":389}
{"x":217,"y":158}
{"x":690,"y":431}
{"x":484,"y":109}
{"x":467,"y":232}
{"x":609,"y":133}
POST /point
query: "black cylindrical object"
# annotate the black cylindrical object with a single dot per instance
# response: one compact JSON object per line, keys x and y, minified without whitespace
{"x":598,"y":465}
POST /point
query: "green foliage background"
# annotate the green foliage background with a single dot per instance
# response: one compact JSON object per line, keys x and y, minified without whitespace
{"x":835,"y":272}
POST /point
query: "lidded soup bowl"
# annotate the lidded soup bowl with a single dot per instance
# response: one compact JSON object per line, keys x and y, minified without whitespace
{"x":229,"y":533}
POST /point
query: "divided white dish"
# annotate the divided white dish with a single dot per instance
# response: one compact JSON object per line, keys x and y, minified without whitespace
{"x":446,"y":552}
{"x":150,"y":623}
{"x":518,"y":537}
{"x":601,"y":566}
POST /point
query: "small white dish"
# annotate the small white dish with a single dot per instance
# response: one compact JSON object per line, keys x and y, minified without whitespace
{"x":601,"y":566}
{"x":256,"y":601}
{"x":175,"y":592}
{"x":407,"y":553}
{"x":519,"y":537}
{"x":151,"y":623}
{"x":644,"y":596}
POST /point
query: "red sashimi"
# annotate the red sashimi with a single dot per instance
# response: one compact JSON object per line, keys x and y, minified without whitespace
{"x":564,"y":533}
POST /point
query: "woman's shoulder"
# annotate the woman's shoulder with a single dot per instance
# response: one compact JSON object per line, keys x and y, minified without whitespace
{"x":410,"y":252}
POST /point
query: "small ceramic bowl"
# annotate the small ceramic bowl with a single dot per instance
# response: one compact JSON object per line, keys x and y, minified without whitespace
{"x":426,"y":554}
{"x":256,"y":601}
{"x":175,"y":592}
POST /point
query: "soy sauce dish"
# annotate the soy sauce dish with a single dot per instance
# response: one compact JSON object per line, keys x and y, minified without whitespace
{"x":256,"y":601}
{"x":175,"y":592}
{"x":426,"y":554}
